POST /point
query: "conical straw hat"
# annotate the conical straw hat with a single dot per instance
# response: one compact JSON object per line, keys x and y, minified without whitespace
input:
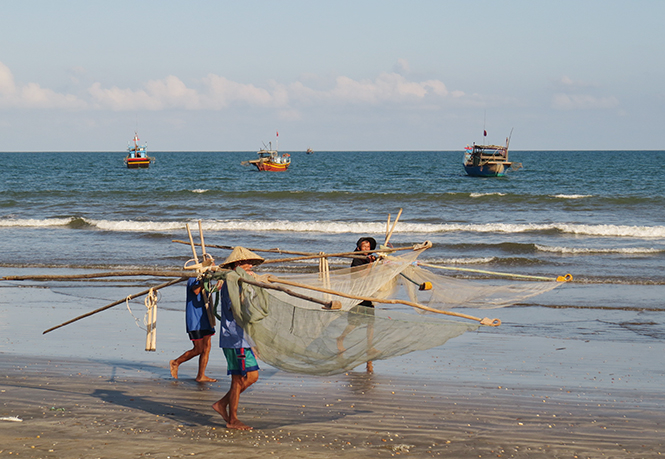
{"x":242,"y":254}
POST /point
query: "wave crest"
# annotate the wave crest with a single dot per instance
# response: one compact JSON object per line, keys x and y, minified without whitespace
{"x":341,"y":227}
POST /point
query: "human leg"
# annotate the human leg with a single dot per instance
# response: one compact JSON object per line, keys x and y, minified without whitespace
{"x":239,"y":384}
{"x":243,"y":368}
{"x":203,"y":361}
{"x":197,"y":349}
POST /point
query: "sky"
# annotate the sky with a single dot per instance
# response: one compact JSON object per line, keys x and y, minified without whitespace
{"x":331,"y":75}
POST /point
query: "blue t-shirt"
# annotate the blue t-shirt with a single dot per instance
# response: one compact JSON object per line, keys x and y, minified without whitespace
{"x":196,"y":316}
{"x":231,"y":335}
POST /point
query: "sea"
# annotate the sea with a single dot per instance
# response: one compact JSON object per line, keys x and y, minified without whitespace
{"x":596,"y":215}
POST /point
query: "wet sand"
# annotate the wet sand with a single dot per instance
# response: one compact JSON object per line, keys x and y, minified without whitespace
{"x":107,"y":411}
{"x":89,"y":390}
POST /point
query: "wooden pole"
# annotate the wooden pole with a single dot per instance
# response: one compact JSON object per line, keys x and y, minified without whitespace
{"x":203,"y":246}
{"x":191,"y":243}
{"x":484,"y":321}
{"x":393,"y":228}
{"x":387,"y":227}
{"x":46,"y":277}
{"x":565,"y":278}
{"x":357,"y":254}
{"x":309,"y":255}
{"x":108,"y":306}
{"x":228,"y":247}
{"x":326,"y":304}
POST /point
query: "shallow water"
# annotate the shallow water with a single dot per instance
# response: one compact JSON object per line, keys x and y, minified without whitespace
{"x":565,"y":212}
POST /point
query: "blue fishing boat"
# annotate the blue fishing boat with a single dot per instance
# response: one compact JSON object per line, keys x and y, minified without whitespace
{"x":488,"y":160}
{"x":137,"y":155}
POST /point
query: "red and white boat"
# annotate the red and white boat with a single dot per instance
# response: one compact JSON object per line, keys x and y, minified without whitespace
{"x":270,"y":160}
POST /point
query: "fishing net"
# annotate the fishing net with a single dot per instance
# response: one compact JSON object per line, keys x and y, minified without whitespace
{"x":448,"y":292}
{"x":311,"y":340}
{"x":378,"y":279}
{"x":298,"y":335}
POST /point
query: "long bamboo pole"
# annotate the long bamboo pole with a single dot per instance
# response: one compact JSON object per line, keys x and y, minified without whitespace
{"x":357,"y":254}
{"x":565,"y":278}
{"x":108,"y":306}
{"x":229,"y":247}
{"x":191,"y":243}
{"x":203,"y":245}
{"x":310,"y":255}
{"x":326,"y":304}
{"x":483,"y":321}
{"x":97,"y":275}
{"x":387,"y":227}
{"x":393,"y":228}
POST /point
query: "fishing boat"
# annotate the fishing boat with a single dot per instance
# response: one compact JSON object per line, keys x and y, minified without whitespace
{"x":488,"y":160}
{"x":137,"y":155}
{"x":309,"y":151}
{"x":270,"y":160}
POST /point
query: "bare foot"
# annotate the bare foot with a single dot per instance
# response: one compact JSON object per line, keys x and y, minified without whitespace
{"x":174,"y":368}
{"x":237,"y":425}
{"x":205,"y":379}
{"x":220,"y":407}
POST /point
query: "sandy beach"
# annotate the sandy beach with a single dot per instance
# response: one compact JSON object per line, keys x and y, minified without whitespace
{"x":89,"y":390}
{"x":484,"y":394}
{"x":76,"y":408}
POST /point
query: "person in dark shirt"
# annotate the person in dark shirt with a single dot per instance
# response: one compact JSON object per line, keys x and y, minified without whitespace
{"x":364,"y":244}
{"x":362,"y":314}
{"x":200,"y":331}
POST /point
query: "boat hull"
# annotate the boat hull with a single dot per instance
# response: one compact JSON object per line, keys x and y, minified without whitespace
{"x":487,"y":170}
{"x":137,"y":163}
{"x":272,"y":167}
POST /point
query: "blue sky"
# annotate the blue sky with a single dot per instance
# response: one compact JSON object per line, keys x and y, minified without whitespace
{"x":342,"y":75}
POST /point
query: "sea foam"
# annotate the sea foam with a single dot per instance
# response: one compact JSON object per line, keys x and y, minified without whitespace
{"x":342,"y":227}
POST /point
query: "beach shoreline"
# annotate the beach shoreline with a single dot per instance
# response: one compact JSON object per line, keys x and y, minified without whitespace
{"x":107,"y":411}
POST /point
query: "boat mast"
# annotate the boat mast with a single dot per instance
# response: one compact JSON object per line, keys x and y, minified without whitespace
{"x":484,"y":130}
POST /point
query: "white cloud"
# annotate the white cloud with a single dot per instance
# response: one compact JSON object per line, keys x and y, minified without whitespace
{"x":157,"y":95}
{"x":215,"y":92}
{"x":7,"y":86}
{"x":582,"y":102}
{"x":224,"y":92}
{"x":388,"y":87}
{"x":32,"y":95}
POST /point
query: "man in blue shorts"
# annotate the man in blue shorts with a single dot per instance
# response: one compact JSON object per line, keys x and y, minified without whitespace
{"x":199,"y":329}
{"x":241,"y":363}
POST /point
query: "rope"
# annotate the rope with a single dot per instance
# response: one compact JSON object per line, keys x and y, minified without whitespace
{"x":149,"y":319}
{"x":136,"y":319}
{"x":150,"y":302}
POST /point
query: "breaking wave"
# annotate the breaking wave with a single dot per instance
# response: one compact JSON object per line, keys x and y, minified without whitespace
{"x":572,"y":196}
{"x":341,"y":227}
{"x":480,"y":195}
{"x":594,"y":251}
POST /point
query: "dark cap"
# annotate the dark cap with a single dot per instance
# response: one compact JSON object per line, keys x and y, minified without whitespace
{"x":371,"y":240}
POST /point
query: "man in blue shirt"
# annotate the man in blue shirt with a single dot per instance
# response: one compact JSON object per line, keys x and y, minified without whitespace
{"x":241,"y":363}
{"x":200,"y":331}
